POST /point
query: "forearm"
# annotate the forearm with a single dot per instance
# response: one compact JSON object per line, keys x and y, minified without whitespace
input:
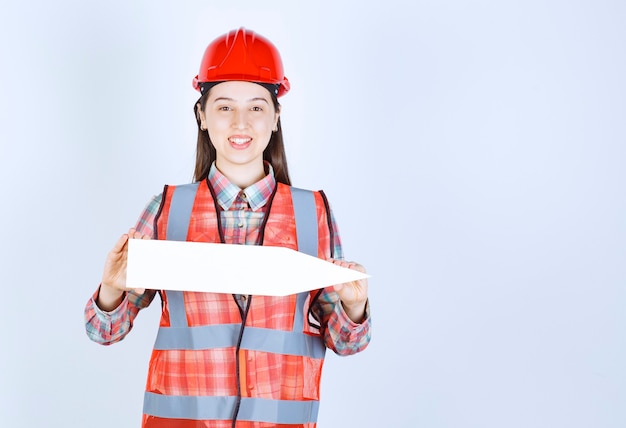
{"x":110,"y":312}
{"x":107,"y":327}
{"x":341,"y":333}
{"x":109,"y":298}
{"x":356,"y":312}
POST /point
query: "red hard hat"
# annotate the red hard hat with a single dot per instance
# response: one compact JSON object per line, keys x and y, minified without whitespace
{"x":242,"y":55}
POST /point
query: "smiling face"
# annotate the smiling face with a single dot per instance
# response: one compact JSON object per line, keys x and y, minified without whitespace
{"x":240,"y":118}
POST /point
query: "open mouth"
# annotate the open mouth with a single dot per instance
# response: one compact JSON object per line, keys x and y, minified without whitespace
{"x":239,"y":141}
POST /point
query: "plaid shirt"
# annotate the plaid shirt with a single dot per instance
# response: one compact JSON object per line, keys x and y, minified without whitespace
{"x":242,"y":215}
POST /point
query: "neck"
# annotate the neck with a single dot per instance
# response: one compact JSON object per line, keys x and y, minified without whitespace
{"x":242,"y":176}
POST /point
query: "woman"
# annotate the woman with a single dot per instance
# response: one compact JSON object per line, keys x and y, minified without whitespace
{"x":232,"y":360}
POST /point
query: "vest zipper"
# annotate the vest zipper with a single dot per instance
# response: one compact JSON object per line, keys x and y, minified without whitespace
{"x":244,"y":315}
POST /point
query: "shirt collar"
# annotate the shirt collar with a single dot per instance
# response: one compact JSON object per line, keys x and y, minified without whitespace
{"x":257,"y":194}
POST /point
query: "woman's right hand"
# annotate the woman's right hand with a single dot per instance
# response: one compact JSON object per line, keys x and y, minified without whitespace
{"x":113,"y":283}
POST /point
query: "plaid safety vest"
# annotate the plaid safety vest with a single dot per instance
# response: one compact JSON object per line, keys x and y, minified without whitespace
{"x":215,"y":361}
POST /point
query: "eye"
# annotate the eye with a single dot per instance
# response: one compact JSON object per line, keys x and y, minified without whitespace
{"x":256,"y":108}
{"x":224,"y":108}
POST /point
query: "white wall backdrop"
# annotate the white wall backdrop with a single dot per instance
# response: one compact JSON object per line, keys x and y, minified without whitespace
{"x":473,"y":152}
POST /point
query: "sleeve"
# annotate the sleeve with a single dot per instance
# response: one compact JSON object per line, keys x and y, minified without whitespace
{"x":107,"y":328}
{"x":342,"y":335}
{"x":110,"y":327}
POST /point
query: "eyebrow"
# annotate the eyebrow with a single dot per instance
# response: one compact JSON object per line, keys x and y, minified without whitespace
{"x":250,"y":100}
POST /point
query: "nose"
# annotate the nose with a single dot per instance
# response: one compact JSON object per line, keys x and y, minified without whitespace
{"x":240,"y":119}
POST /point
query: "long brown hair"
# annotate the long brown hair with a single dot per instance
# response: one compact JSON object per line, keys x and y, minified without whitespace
{"x":205,"y":151}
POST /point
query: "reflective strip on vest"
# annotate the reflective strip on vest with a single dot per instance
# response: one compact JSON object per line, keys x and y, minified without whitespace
{"x":254,"y":339}
{"x":305,"y":213}
{"x":221,"y":408}
{"x":180,"y":209}
{"x":306,"y":220}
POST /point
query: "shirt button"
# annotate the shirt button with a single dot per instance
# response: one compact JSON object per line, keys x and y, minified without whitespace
{"x":240,"y":225}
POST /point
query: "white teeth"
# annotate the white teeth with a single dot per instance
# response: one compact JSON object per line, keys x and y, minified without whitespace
{"x":239,"y":140}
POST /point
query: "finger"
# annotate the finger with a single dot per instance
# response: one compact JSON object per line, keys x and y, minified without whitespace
{"x":358,"y":267}
{"x":133,"y":233}
{"x":119,"y":244}
{"x":337,"y":262}
{"x":348,"y":264}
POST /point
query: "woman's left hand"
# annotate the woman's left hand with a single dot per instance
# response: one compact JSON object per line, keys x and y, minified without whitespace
{"x":353,"y":295}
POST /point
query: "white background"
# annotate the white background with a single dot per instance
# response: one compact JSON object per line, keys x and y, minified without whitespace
{"x":473,"y":152}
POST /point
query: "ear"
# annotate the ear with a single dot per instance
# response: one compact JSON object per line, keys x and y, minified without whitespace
{"x":201,"y":117}
{"x":276,"y":116}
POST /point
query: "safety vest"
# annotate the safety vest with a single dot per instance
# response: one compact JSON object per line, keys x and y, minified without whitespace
{"x":213,"y":360}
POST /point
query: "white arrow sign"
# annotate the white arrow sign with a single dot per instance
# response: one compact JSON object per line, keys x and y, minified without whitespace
{"x":226,"y":268}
